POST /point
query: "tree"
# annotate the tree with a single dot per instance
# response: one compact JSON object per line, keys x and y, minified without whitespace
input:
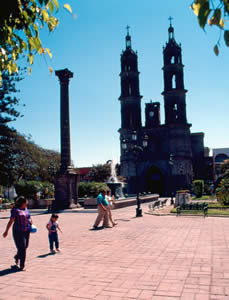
{"x":222,"y":191}
{"x":100,"y":172}
{"x":198,"y":188}
{"x":224,"y":168}
{"x":23,"y":159}
{"x":33,"y":162}
{"x":20,"y":25}
{"x":213,"y":13}
{"x":8,"y":113}
{"x":91,"y":188}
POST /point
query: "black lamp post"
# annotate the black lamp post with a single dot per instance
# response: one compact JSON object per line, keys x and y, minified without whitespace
{"x":136,"y":150}
{"x":171,"y":162}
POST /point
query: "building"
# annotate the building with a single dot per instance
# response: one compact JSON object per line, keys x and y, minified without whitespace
{"x":219,"y":156}
{"x":84,"y":174}
{"x":165,"y":157}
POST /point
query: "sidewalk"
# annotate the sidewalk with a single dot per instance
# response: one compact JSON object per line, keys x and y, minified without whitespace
{"x":152,"y":257}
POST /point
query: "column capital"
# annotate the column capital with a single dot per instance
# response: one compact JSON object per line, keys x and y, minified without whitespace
{"x":64,"y":75}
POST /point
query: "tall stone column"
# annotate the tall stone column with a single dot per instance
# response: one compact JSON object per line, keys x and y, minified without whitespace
{"x":64,"y":77}
{"x":66,"y":179}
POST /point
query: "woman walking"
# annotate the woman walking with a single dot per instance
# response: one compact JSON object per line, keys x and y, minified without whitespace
{"x":111,"y":201}
{"x":21,"y":220}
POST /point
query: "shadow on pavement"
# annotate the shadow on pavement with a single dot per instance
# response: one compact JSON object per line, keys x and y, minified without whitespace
{"x":8,"y":271}
{"x":96,"y":229}
{"x":123,"y":220}
{"x":45,"y":255}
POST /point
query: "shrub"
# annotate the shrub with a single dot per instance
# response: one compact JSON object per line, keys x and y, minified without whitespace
{"x":222,"y":192}
{"x":91,"y":188}
{"x":48,"y":190}
{"x":29,"y":189}
{"x":198,"y":188}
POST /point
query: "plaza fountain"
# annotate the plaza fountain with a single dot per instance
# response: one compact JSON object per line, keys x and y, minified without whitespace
{"x":113,"y":182}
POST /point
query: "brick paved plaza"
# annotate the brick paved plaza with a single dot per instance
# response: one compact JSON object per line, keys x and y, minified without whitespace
{"x":146,"y":258}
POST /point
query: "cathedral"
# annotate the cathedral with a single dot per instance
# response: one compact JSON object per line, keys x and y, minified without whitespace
{"x":155,"y":157}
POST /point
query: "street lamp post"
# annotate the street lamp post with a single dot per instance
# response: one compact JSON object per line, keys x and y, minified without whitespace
{"x":136,"y":150}
{"x":171,"y":162}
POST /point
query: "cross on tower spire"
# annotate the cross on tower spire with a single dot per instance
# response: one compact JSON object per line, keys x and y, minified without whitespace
{"x":171,"y":29}
{"x":170,"y":20}
{"x":128,"y":28}
{"x":128,"y":38}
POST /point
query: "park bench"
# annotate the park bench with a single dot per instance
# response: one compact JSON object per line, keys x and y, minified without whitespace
{"x":193,"y":206}
{"x":164,"y":202}
{"x":155,"y":205}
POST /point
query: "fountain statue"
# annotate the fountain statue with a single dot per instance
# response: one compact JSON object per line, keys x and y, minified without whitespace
{"x":114,"y":184}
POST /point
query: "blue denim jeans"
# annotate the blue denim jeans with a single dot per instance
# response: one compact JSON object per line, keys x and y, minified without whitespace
{"x":53,"y":238}
{"x":21,"y":240}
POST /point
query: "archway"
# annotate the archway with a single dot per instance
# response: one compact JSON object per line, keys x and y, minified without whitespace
{"x":154,"y":180}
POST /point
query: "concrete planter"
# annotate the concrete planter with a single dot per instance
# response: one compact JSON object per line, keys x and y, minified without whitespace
{"x":90,"y":203}
{"x":182,"y":198}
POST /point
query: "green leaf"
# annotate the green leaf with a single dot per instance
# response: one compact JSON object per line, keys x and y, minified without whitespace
{"x":30,"y":55}
{"x":226,"y":37}
{"x":51,"y":6}
{"x":49,"y":52}
{"x":50,"y":70}
{"x":217,"y":15}
{"x":14,"y":68}
{"x":68,"y":7}
{"x":35,"y":43}
{"x":56,"y":4}
{"x":226,"y":6}
{"x":53,"y":22}
{"x":196,"y":8}
{"x":45,"y":15}
{"x":203,"y":14}
{"x":36,"y":29}
{"x":216,"y":50}
{"x":221,"y":23}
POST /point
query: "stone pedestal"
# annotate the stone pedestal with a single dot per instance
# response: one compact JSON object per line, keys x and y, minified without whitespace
{"x":66,"y":191}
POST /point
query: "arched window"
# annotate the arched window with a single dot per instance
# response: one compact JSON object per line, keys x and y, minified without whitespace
{"x":174,"y":81}
{"x":173,"y":60}
{"x":220,"y":158}
{"x":130,"y":90}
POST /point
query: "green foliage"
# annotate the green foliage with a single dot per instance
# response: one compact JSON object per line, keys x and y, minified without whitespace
{"x":211,"y":212}
{"x":48,"y":190}
{"x":91,"y":188}
{"x":8,"y":113}
{"x":224,"y":168}
{"x":198,"y":188}
{"x":222,"y":191}
{"x":20,"y":158}
{"x":33,"y":162}
{"x":100,"y":172}
{"x":20,"y":25}
{"x":201,"y":198}
{"x":29,"y":189}
{"x":213,"y":13}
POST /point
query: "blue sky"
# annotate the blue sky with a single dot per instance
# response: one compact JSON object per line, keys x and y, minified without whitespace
{"x":90,"y":47}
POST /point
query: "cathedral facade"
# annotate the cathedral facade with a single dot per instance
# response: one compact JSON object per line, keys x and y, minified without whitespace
{"x":155,"y":157}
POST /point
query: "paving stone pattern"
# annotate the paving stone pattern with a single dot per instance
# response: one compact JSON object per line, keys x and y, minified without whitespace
{"x":154,"y":257}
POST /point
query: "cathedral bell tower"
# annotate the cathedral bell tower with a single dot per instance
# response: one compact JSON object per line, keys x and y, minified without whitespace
{"x":174,"y":91}
{"x":130,"y":95}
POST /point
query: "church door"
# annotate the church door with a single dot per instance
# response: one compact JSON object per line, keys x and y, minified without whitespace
{"x":154,"y":181}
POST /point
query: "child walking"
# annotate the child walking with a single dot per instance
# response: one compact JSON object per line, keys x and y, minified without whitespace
{"x":52,"y":227}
